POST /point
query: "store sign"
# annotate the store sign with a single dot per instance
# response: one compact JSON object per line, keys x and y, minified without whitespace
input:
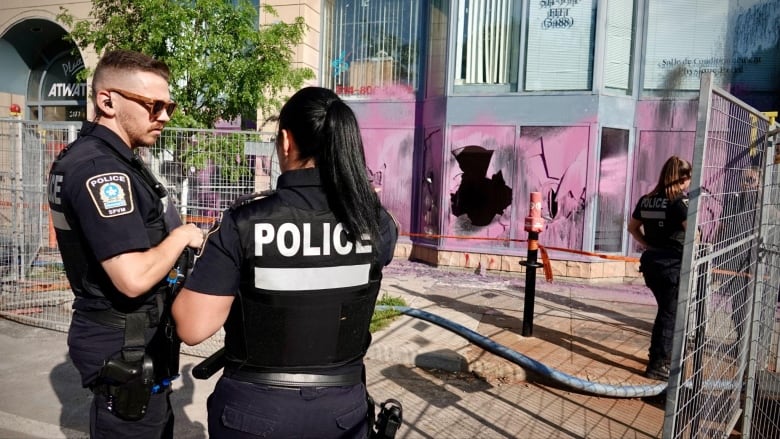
{"x":60,"y":82}
{"x":77,"y":113}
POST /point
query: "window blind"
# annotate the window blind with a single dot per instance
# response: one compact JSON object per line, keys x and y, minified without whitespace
{"x":619,"y":42}
{"x":483,"y":51}
{"x":559,"y":52}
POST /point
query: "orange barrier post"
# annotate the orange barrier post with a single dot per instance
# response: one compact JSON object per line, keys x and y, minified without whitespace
{"x":534,"y":224}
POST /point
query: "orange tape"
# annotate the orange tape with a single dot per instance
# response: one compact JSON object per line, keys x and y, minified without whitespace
{"x":532,"y":244}
{"x":546,"y":266}
{"x":731,"y":273}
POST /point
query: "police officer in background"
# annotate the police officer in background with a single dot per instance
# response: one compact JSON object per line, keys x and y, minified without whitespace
{"x":658,"y":224}
{"x":293,"y":276}
{"x":119,"y":241}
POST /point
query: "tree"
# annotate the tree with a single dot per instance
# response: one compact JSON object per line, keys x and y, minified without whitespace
{"x":223,"y":64}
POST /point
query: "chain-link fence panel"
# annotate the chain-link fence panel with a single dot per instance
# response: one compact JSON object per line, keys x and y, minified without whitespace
{"x":34,"y":287}
{"x":723,"y":274}
{"x":762,"y":399}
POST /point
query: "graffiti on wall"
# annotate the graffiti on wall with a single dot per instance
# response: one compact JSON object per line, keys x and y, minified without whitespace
{"x":430,"y":195}
{"x":494,"y":172}
{"x":556,"y":164}
{"x":389,"y":156}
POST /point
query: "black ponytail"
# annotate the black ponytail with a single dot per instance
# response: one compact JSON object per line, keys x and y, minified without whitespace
{"x":326,"y":129}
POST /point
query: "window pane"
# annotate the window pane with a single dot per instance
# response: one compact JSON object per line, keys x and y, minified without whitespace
{"x":560,"y":45}
{"x":486,"y":46}
{"x":613,"y":165}
{"x":371,"y":47}
{"x":437,"y":48}
{"x":619,"y":43}
{"x":734,"y":40}
{"x":680,"y":35}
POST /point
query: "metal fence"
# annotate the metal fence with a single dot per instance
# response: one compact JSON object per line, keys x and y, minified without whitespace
{"x":203,"y":170}
{"x":724,"y":367}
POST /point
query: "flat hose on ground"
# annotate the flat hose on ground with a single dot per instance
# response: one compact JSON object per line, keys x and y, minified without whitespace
{"x":520,"y":359}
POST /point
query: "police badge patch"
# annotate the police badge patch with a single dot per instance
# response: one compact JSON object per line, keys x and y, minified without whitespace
{"x":111,"y":193}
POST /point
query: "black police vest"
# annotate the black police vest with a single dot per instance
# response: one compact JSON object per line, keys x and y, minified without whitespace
{"x":307,"y":294}
{"x":661,"y":231}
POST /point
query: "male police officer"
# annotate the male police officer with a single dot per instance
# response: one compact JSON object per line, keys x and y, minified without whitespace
{"x":119,"y":242}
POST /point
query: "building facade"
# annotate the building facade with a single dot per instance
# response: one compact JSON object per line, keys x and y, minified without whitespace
{"x":468,"y":106}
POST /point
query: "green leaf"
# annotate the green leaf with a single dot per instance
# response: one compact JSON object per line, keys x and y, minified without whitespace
{"x":223,"y":63}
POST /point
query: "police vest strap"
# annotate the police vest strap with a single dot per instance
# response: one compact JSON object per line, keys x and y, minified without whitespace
{"x":295,"y":379}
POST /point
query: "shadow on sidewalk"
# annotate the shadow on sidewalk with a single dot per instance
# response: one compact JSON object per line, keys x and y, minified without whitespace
{"x":74,"y":399}
{"x":75,"y":402}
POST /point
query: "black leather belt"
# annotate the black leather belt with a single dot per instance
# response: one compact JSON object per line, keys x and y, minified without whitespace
{"x":114,"y":319}
{"x":282,"y":379}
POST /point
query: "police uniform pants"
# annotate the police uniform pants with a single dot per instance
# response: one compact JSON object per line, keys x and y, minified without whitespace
{"x":89,"y":345}
{"x":157,"y":423}
{"x":663,"y":279}
{"x":237,"y":409}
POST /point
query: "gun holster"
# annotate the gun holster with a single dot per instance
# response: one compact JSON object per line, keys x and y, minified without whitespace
{"x":127,"y":386}
{"x":127,"y":381}
{"x":387,"y":422}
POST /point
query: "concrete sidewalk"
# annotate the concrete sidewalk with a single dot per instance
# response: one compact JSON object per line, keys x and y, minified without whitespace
{"x":596,"y":331}
{"x":448,"y":386}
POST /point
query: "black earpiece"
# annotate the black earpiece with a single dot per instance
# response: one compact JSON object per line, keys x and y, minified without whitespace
{"x":108,"y":104}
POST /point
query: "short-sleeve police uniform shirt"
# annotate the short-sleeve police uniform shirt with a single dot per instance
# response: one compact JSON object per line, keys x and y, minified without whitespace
{"x":662,"y":220}
{"x":100,"y":209}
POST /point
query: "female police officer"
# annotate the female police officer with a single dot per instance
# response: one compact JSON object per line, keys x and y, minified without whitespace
{"x":293,"y":275}
{"x":658,"y":224}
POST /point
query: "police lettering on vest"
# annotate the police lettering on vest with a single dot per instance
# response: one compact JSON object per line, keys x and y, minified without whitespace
{"x":292,"y":240}
{"x":654,"y":203}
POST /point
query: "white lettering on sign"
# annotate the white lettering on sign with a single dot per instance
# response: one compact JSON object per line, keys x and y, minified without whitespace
{"x":292,"y":240}
{"x":73,"y":66}
{"x":68,"y":90}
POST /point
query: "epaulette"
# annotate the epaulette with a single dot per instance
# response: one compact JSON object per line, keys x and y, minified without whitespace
{"x":249,"y":198}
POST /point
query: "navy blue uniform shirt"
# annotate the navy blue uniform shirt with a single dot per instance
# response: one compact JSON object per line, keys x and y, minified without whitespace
{"x":101,"y":208}
{"x":662,"y":220}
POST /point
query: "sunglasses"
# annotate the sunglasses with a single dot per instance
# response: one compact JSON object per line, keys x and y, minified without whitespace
{"x":154,"y":106}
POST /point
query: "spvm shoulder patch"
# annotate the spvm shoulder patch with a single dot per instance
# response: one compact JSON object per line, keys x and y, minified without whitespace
{"x":111,"y":193}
